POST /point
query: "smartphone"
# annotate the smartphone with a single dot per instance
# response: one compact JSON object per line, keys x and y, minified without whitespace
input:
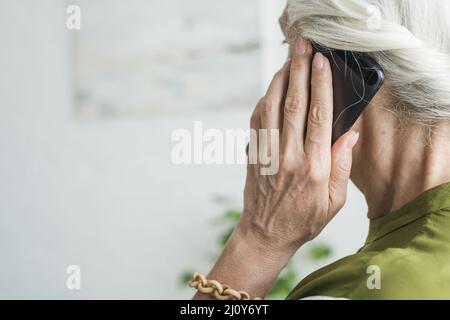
{"x":357,"y":77}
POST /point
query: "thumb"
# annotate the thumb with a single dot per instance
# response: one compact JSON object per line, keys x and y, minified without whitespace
{"x":341,"y":165}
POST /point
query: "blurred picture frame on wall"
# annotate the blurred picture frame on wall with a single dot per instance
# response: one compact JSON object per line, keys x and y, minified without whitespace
{"x":166,"y":57}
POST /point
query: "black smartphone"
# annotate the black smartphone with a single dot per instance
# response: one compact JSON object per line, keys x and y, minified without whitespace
{"x":357,"y":77}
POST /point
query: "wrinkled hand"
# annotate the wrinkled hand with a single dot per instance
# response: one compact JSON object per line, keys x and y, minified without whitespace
{"x":284,"y":210}
{"x":290,"y":206}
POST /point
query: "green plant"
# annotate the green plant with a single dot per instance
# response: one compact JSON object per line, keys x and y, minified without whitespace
{"x":288,"y":277}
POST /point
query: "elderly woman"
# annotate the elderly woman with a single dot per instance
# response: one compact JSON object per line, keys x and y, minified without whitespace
{"x":397,"y":154}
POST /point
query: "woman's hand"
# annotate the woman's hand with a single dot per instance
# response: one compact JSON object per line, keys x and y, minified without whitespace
{"x":284,"y":210}
{"x":291,"y":207}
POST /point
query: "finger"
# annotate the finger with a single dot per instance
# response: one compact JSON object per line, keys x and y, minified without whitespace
{"x":270,"y":108}
{"x":252,"y":148}
{"x":341,"y":166}
{"x":320,"y":116}
{"x":297,"y":97}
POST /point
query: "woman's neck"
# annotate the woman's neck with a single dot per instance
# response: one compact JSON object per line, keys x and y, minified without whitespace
{"x":394,"y":164}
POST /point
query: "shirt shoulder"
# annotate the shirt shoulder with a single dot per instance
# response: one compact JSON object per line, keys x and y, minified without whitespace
{"x":393,"y":273}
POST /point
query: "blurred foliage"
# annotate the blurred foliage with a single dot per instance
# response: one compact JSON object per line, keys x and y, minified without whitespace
{"x":288,"y":277}
{"x":320,"y":252}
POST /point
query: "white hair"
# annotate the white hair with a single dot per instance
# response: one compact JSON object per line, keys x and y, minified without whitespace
{"x":410,"y":39}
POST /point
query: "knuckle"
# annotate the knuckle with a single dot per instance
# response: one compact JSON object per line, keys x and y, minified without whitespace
{"x":299,"y":64}
{"x":266,"y":105}
{"x":287,"y":165}
{"x":312,"y":140}
{"x":293,"y":102}
{"x":285,"y":171}
{"x":255,"y":118}
{"x":318,"y":114}
{"x":316,"y":174}
{"x":279,"y":75}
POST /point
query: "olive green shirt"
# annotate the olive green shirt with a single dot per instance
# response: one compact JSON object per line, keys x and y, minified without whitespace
{"x":406,"y":256}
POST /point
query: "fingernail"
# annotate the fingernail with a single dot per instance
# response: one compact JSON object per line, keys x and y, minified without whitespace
{"x":318,"y":61}
{"x":353,"y":140}
{"x":301,"y":46}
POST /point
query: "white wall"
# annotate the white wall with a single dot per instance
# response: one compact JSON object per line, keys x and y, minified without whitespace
{"x":101,"y":195}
